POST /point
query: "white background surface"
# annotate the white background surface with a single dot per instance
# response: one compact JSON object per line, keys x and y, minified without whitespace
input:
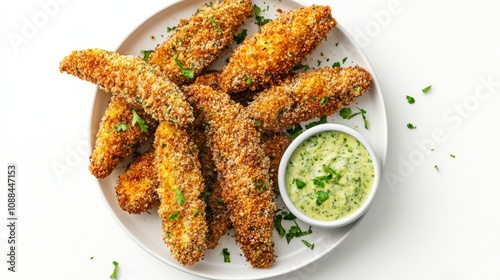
{"x":424,"y":224}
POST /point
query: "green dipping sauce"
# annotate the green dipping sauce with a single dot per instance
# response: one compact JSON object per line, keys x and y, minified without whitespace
{"x":329,"y":175}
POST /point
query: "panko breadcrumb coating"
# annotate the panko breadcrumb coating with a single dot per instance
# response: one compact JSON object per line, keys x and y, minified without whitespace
{"x":114,"y":144}
{"x":212,"y":79}
{"x":274,"y":145}
{"x":308,"y":95}
{"x":136,"y":187}
{"x":244,"y":168}
{"x":272,"y":52}
{"x":133,"y":79}
{"x":181,"y":210}
{"x":218,"y":219}
{"x":197,"y":43}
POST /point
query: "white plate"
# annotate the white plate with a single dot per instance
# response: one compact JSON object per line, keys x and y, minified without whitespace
{"x":145,"y":229}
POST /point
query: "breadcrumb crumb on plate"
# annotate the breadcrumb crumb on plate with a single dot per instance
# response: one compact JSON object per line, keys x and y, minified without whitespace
{"x":145,"y":229}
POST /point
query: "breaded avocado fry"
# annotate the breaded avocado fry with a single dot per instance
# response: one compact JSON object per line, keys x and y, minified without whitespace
{"x":240,"y":161}
{"x":198,"y":42}
{"x":182,"y":210}
{"x":308,"y":95}
{"x":272,"y":52}
{"x":133,"y":79}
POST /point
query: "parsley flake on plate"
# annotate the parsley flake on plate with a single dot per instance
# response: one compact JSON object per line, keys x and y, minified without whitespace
{"x":240,"y":37}
{"x":226,"y":254}
{"x":410,"y":99}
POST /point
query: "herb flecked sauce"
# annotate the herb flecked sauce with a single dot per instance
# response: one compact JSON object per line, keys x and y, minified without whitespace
{"x":329,"y":175}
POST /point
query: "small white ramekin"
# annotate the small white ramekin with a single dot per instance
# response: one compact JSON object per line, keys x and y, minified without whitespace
{"x":353,"y":216}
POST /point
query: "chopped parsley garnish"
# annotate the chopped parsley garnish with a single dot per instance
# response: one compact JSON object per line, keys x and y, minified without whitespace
{"x":436,"y":167}
{"x":196,"y":212}
{"x":278,"y":226}
{"x":187,"y":72}
{"x":336,"y":64}
{"x":322,"y":120}
{"x":300,"y":66}
{"x":256,"y":123}
{"x":260,"y":19}
{"x":294,"y":231}
{"x":215,"y":24}
{"x":452,"y":155}
{"x":344,"y":60}
{"x":295,"y":131}
{"x":410,"y":99}
{"x":260,"y":184}
{"x":179,"y":197}
{"x":346,"y":113}
{"x":92,"y":257}
{"x":319,"y":181}
{"x":174,"y":216}
{"x":309,"y":245}
{"x":335,"y":175}
{"x":115,"y":270}
{"x":322,"y":197}
{"x":299,"y":183}
{"x":426,"y":89}
{"x":240,"y":37}
{"x":146,"y":54}
{"x":136,"y":119}
{"x":121,"y":127}
{"x":171,"y":29}
{"x":323,"y":101}
{"x":411,"y":126}
{"x":363,"y":114}
{"x":249,"y":80}
{"x":226,"y":254}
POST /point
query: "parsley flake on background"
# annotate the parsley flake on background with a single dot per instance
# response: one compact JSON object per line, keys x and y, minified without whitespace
{"x":426,"y":89}
{"x":115,"y":270}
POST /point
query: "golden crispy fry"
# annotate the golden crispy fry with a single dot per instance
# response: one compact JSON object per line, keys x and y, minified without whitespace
{"x":209,"y":78}
{"x":243,"y":167}
{"x":136,"y":187}
{"x":308,"y":95}
{"x":180,"y":185}
{"x":218,"y":219}
{"x":132,"y":79}
{"x":274,"y":145}
{"x":197,"y":43}
{"x":114,"y":144}
{"x":212,"y":79}
{"x":272,"y":52}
